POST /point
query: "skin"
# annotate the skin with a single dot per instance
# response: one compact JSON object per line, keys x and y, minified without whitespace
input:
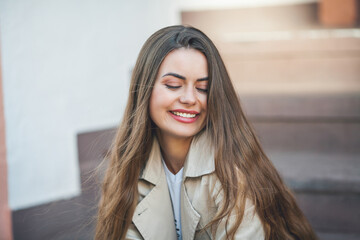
{"x":181,"y":85}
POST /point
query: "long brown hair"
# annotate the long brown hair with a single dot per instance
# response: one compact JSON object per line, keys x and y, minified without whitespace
{"x":241,"y":166}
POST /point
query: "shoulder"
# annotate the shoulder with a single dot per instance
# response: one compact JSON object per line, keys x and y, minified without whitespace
{"x":207,"y":194}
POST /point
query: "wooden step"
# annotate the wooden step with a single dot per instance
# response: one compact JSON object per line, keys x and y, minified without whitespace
{"x":282,"y":49}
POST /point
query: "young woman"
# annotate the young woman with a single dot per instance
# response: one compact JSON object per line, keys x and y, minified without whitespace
{"x":185,"y":163}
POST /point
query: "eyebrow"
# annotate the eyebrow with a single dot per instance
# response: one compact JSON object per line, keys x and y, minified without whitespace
{"x":182,"y":77}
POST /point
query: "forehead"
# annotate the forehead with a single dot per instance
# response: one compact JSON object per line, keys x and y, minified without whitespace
{"x":185,"y":61}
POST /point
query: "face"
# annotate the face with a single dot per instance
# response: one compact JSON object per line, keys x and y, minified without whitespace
{"x":179,"y":98}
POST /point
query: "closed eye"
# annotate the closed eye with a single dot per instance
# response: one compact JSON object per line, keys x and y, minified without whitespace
{"x":172,"y":87}
{"x":202,"y":90}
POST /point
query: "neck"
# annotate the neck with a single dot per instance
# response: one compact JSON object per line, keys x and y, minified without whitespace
{"x":174,"y":151}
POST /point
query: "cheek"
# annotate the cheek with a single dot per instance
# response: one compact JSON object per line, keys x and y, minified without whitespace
{"x":159,"y":101}
{"x":154,"y":107}
{"x":203,"y":101}
{"x":162,"y":96}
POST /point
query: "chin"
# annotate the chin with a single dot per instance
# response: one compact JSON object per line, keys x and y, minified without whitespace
{"x":186,"y":134}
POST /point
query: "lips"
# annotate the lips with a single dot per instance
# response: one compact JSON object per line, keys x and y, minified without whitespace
{"x":184,"y":116}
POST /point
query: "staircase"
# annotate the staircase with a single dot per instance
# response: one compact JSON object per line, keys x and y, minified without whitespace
{"x":299,"y":84}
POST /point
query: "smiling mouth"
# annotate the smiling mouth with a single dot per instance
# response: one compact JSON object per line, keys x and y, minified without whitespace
{"x":185,"y":115}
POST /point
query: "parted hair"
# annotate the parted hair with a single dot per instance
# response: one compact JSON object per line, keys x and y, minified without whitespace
{"x":242,"y":167}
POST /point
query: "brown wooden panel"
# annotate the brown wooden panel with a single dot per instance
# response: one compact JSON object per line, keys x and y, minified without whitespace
{"x":343,"y":13}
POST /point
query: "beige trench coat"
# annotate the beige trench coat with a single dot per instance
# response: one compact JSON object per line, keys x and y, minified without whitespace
{"x":153,"y":217}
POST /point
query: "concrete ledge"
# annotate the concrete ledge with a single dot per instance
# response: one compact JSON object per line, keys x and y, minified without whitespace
{"x":338,"y":236}
{"x":303,"y":107}
{"x":334,"y":214}
{"x":328,"y":186}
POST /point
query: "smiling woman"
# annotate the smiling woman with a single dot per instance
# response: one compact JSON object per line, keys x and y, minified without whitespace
{"x":178,"y":100}
{"x":185,"y":163}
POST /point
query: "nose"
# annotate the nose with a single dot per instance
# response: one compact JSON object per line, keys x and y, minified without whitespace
{"x":188,"y":97}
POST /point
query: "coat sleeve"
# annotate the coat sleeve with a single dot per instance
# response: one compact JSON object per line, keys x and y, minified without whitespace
{"x":250,"y":227}
{"x":133,"y":233}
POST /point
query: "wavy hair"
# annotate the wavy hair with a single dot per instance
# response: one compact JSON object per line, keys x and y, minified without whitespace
{"x":240,"y":163}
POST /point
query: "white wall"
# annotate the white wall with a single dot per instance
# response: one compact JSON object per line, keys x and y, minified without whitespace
{"x":66,"y":66}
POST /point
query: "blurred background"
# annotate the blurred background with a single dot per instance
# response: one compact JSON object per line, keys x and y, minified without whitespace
{"x":65,"y":72}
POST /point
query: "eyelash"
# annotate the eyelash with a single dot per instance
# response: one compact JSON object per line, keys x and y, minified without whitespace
{"x":172,"y":87}
{"x":176,"y":87}
{"x":202,"y":90}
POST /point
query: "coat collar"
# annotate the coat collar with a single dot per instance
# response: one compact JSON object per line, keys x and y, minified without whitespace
{"x":199,"y":161}
{"x":157,"y":204}
{"x":153,"y":169}
{"x":153,"y":216}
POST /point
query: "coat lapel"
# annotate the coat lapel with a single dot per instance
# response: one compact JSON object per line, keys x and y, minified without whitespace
{"x":189,"y":216}
{"x":153,"y":216}
{"x":199,"y":162}
{"x":200,"y":159}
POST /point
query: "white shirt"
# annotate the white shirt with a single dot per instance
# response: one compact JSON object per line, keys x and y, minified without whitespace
{"x":174,"y":184}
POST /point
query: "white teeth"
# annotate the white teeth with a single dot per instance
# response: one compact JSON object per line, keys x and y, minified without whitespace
{"x":187,"y":115}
